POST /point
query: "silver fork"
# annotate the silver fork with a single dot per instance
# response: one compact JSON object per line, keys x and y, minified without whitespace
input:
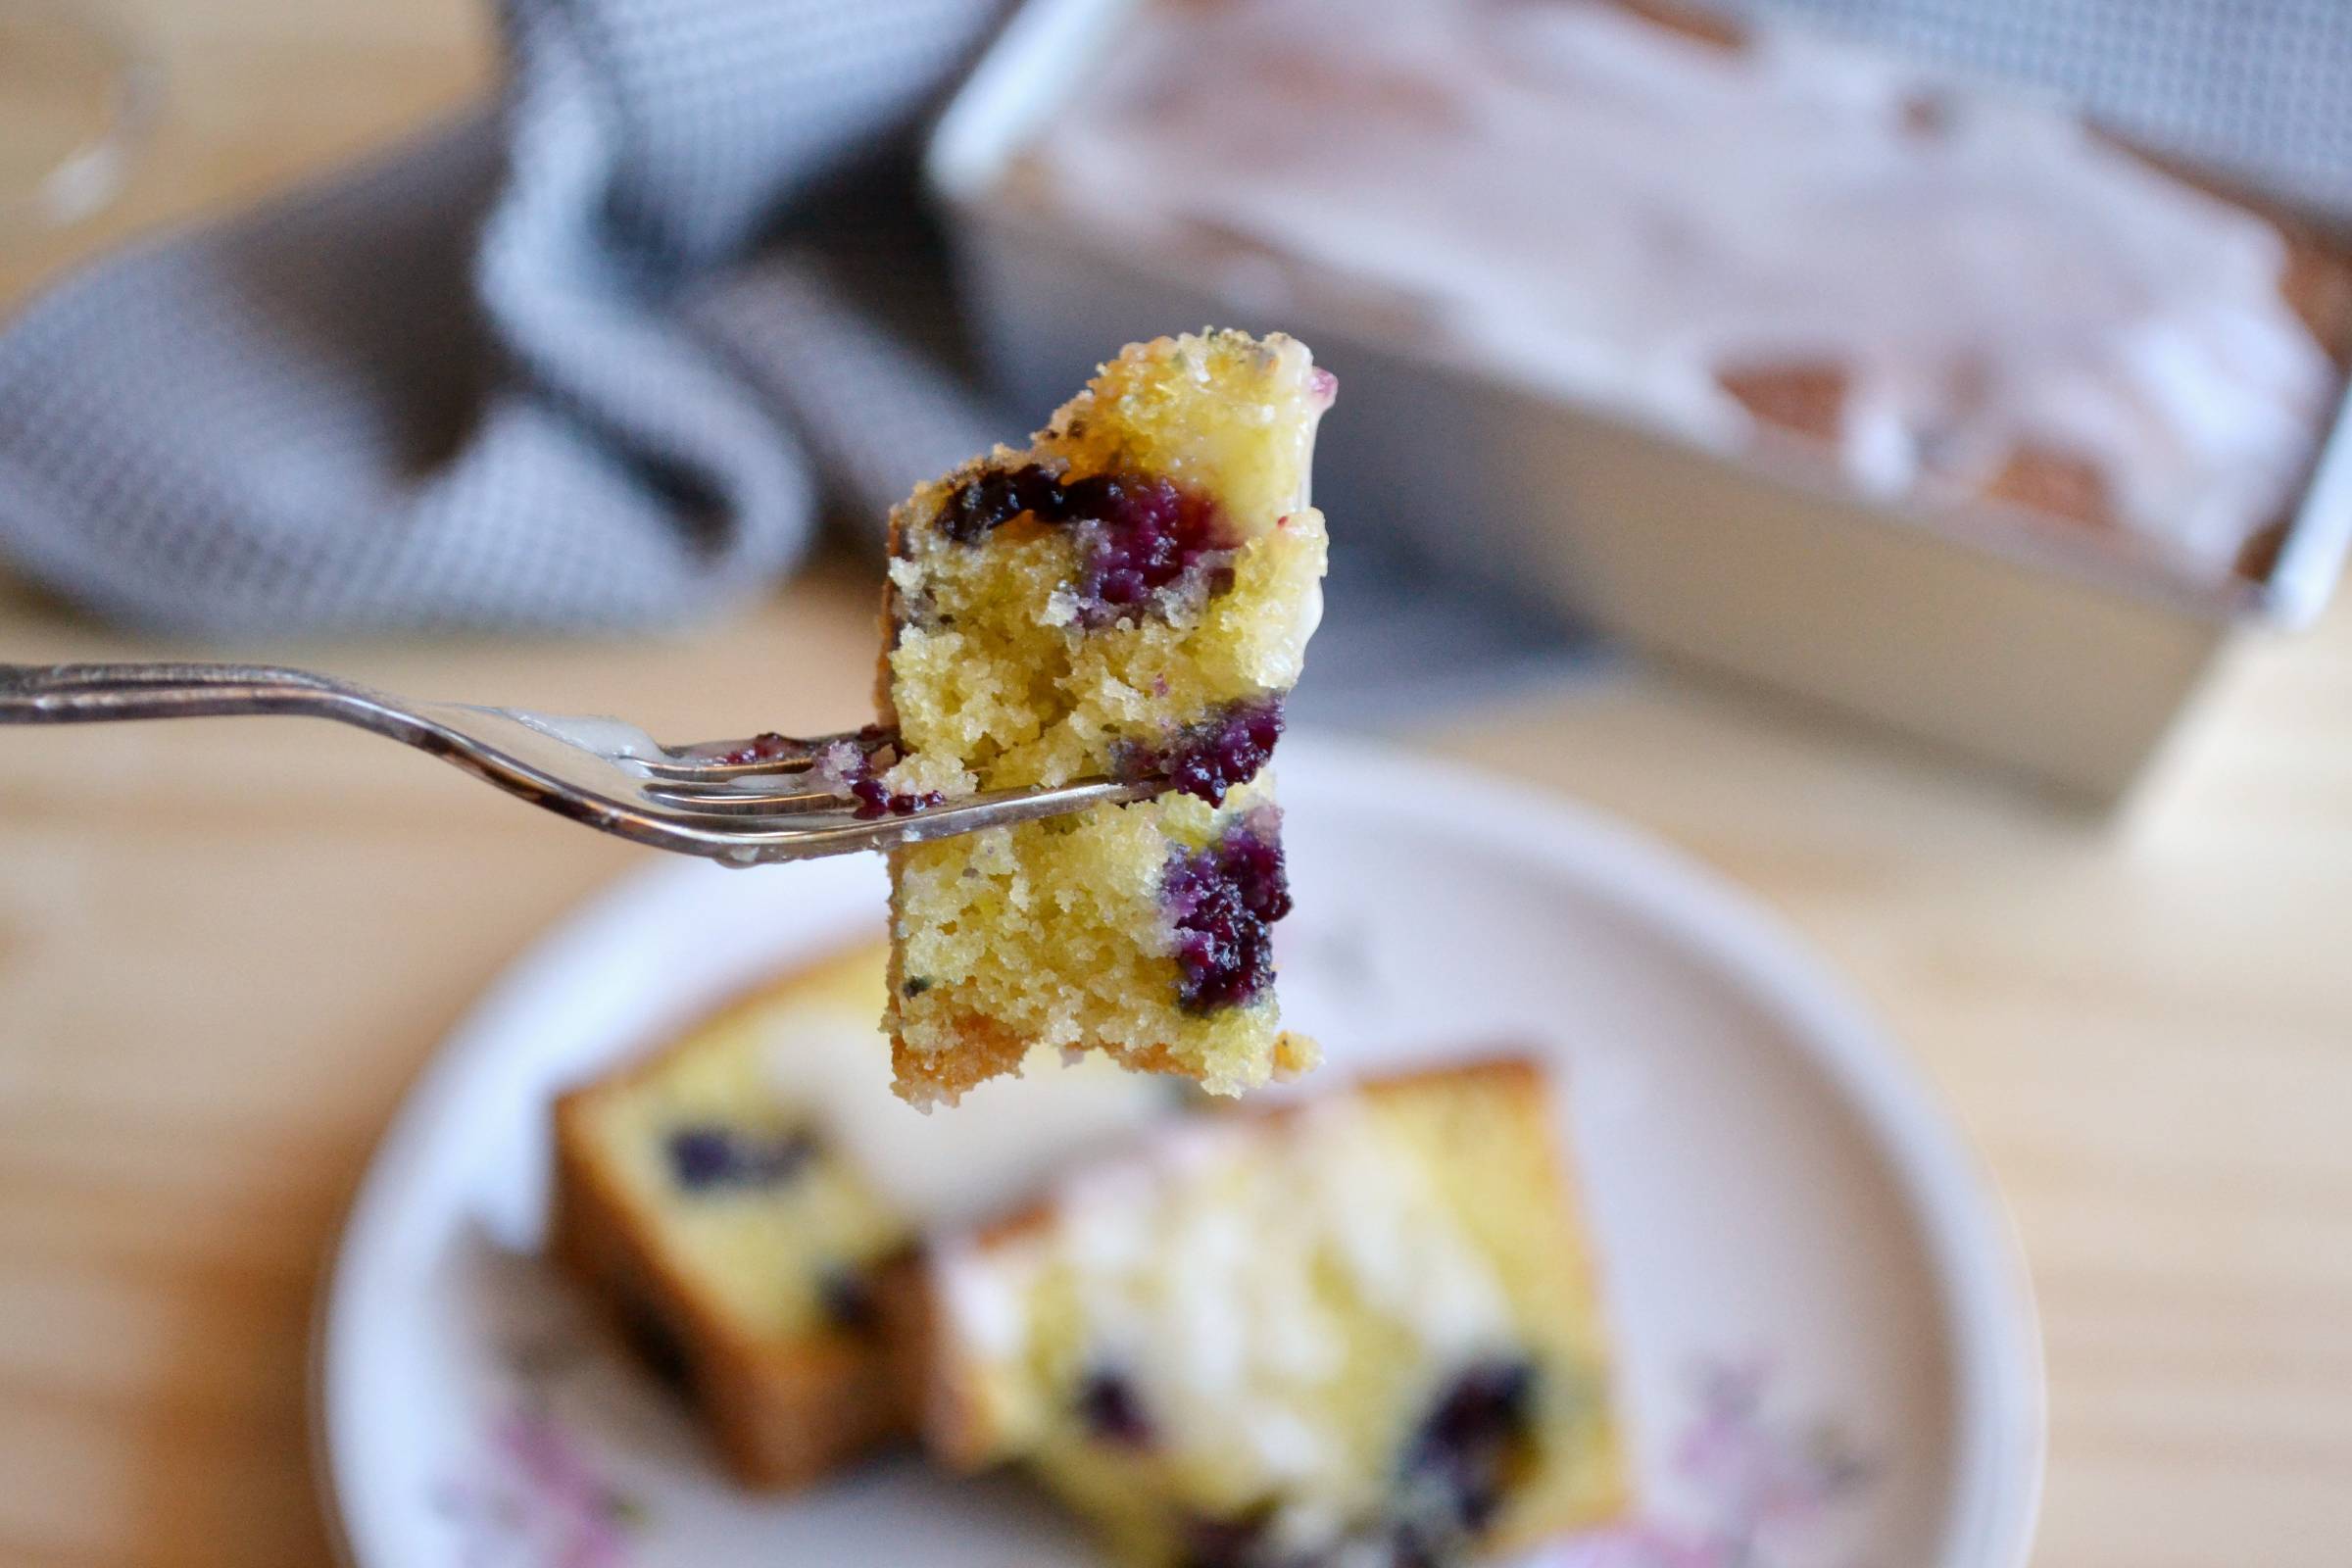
{"x":767,"y":798}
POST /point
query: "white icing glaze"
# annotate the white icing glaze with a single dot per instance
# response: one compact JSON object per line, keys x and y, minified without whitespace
{"x":1309,"y":619}
{"x":1621,"y":213}
{"x":1323,"y":389}
{"x":1196,"y":1265}
{"x":982,"y":1297}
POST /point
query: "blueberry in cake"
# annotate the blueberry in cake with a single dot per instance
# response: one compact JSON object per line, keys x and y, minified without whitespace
{"x":1131,"y":596}
{"x":1360,"y":1330}
{"x":736,"y":1202}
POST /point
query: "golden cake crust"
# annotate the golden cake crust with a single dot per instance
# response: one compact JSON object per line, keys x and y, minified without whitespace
{"x":982,"y":1050}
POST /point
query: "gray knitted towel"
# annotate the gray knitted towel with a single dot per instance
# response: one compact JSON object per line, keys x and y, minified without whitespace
{"x":531,"y":371}
{"x":517,"y":373}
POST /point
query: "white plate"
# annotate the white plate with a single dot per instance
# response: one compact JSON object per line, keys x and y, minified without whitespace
{"x":1827,"y":1352}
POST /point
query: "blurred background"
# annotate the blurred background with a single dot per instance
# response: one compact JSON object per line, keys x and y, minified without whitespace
{"x":568,"y":354}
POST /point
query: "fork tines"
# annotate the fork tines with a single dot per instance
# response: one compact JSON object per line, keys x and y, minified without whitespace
{"x":723,"y":778}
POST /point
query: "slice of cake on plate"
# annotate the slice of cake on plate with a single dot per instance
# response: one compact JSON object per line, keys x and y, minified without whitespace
{"x":740,"y":1200}
{"x":731,"y":1239}
{"x":1363,"y":1329}
{"x":1131,"y":596}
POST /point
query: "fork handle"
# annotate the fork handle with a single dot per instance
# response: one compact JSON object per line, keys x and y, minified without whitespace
{"x":84,"y":694}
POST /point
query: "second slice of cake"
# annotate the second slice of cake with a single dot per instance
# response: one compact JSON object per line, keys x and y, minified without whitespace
{"x":1130,"y":596}
{"x":1360,"y":1330}
{"x":743,"y":1202}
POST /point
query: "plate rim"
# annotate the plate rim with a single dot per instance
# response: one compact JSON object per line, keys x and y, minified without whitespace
{"x":1976,"y":1259}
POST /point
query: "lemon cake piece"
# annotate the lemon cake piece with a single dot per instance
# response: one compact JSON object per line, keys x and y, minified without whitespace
{"x":743,"y":1200}
{"x":1362,"y":1330}
{"x":1131,"y":596}
{"x":732,"y":1239}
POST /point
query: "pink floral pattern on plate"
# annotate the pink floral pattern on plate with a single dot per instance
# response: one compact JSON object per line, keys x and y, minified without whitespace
{"x":1763,"y":1481}
{"x":531,"y":1495}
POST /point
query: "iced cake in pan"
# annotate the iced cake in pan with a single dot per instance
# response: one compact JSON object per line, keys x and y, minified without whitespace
{"x":1359,"y":1330}
{"x":1747,"y":233}
{"x":1130,"y":596}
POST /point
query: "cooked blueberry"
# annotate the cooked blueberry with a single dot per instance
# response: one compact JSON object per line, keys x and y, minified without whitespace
{"x":1449,"y":1486}
{"x":1222,"y":902}
{"x":1467,"y":1448}
{"x":994,"y":499}
{"x":1136,"y":533}
{"x":1140,"y":535}
{"x":703,"y":1157}
{"x":1111,"y":1409}
{"x":915,"y":985}
{"x":1485,"y":1402}
{"x":1207,"y":759}
{"x":876,"y":798}
{"x":857,"y":769}
{"x":848,"y":1299}
{"x":765,"y":747}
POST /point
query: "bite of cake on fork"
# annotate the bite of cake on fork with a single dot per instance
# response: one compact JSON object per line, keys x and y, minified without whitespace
{"x":1130,"y":596}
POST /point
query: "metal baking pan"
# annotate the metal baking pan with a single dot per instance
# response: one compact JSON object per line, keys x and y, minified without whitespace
{"x":2044,"y":653}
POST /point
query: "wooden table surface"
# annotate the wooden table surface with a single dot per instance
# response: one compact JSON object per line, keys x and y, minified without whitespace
{"x":225,"y":948}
